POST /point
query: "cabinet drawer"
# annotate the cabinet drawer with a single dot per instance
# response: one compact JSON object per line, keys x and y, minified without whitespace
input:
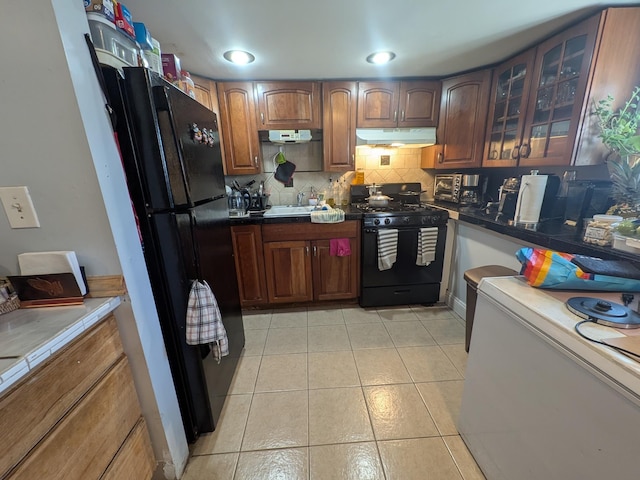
{"x":35,"y":405}
{"x":277,"y":232}
{"x":86,"y":440}
{"x":134,"y":461}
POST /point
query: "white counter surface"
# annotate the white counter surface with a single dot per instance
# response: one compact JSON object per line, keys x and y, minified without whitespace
{"x":546,"y":311}
{"x":30,"y":336}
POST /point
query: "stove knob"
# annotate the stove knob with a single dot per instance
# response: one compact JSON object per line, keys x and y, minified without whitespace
{"x":406,"y":219}
{"x":376,"y":222}
{"x":387,"y":221}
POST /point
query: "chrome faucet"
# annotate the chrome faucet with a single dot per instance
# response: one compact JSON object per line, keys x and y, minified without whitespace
{"x":300,"y":197}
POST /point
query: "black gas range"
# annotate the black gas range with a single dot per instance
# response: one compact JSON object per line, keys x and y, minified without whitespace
{"x":393,"y":272}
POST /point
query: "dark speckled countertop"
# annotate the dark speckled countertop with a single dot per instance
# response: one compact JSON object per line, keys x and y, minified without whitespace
{"x":551,"y":234}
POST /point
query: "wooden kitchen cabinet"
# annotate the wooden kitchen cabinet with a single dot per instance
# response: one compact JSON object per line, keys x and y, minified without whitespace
{"x":239,"y":128}
{"x":463,"y":117}
{"x":508,"y":106}
{"x":413,"y":103}
{"x":76,"y":416}
{"x":206,"y":93}
{"x":249,"y":260}
{"x":573,"y":71}
{"x":288,"y":105}
{"x":299,"y":267}
{"x":339,"y":103}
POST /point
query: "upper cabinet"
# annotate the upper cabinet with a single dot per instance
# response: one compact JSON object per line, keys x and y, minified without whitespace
{"x":542,"y":101}
{"x":205,"y":91}
{"x":412,"y":103}
{"x":239,"y":129}
{"x":463,"y":116}
{"x":339,"y":101}
{"x":509,"y":95}
{"x":288,"y":105}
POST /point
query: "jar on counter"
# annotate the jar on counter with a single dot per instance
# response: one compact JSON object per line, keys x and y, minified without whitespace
{"x":599,"y":230}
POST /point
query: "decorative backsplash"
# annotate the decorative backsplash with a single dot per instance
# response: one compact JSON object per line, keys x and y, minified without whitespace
{"x":403,"y":166}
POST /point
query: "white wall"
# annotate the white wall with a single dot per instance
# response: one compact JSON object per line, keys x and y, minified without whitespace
{"x":56,"y":138}
{"x":474,"y":247}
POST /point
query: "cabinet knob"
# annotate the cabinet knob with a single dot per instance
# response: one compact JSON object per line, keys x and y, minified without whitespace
{"x":440,"y":157}
{"x":402,"y":116}
{"x":255,"y":160}
{"x":515,"y":153}
{"x":262,"y":117}
{"x":315,"y":251}
{"x":395,"y":115}
{"x":524,"y":150}
{"x":306,"y":249}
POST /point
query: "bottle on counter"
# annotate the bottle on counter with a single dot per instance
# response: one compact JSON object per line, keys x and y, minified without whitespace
{"x":329,"y":197}
{"x":344,"y":198}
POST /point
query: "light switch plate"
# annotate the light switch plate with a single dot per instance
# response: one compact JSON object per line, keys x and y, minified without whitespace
{"x":19,"y":207}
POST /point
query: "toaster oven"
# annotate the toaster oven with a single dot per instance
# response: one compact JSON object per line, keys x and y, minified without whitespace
{"x":447,"y":187}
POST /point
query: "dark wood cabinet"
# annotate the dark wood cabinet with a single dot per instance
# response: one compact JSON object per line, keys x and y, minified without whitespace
{"x":239,"y":129}
{"x":299,"y":267}
{"x":339,"y":102}
{"x":573,"y":71}
{"x":463,"y":117}
{"x":205,"y":91}
{"x":508,"y":106}
{"x":288,"y":105}
{"x":398,"y":104}
{"x":249,"y":261}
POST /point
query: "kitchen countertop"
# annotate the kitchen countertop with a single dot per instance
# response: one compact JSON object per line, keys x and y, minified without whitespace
{"x":29,"y":336}
{"x":551,"y":234}
{"x":545,"y":310}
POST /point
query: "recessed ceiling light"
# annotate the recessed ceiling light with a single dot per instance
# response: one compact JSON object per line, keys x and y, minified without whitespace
{"x":381,"y":57}
{"x":239,"y":57}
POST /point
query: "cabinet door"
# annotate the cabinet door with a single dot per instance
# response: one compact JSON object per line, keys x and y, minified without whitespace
{"x":509,"y":96}
{"x":288,"y":105}
{"x":239,"y":130}
{"x":288,"y":269}
{"x":463,"y":116}
{"x":249,"y":260}
{"x":339,"y":125}
{"x":205,"y":91}
{"x":559,"y":83}
{"x":378,"y":104}
{"x":419,"y":103}
{"x":334,"y":278}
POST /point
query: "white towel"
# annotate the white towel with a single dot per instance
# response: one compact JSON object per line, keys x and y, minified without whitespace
{"x":204,"y":321}
{"x":387,"y":248}
{"x":427,"y":239}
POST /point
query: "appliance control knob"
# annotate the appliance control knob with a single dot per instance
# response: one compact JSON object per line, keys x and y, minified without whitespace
{"x":387,"y":221}
{"x":406,"y":219}
{"x":376,"y":221}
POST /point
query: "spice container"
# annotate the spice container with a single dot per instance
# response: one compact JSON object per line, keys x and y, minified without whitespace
{"x":599,"y":230}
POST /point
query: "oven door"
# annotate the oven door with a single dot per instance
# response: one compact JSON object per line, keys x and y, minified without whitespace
{"x":404,"y":271}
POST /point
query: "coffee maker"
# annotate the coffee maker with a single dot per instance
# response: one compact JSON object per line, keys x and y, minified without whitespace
{"x":471,"y":189}
{"x":508,"y":198}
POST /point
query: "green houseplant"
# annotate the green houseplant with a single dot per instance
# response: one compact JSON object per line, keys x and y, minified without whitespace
{"x":619,"y":131}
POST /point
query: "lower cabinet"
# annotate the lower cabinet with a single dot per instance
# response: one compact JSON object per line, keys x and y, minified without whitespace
{"x":300,"y":268}
{"x":249,"y":260}
{"x":77,"y":416}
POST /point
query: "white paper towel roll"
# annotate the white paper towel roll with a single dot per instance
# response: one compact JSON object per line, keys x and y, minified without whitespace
{"x":530,"y":196}
{"x":40,"y":263}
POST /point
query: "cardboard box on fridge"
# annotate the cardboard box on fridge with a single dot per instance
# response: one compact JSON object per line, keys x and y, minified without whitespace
{"x":153,"y":57}
{"x":103,"y":7}
{"x":124,"y":20}
{"x":171,"y":67}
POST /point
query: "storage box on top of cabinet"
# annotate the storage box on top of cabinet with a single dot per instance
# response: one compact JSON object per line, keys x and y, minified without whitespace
{"x":108,"y":39}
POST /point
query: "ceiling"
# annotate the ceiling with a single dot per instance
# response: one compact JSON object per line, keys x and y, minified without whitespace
{"x":330,"y":39}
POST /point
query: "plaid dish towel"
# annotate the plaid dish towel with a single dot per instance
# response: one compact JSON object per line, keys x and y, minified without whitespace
{"x":204,"y":322}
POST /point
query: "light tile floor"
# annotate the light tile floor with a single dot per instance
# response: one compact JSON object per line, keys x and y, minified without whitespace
{"x":343,"y":393}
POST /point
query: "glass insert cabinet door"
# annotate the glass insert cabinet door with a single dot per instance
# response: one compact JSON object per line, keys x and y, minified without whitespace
{"x":556,"y":97}
{"x":509,"y":92}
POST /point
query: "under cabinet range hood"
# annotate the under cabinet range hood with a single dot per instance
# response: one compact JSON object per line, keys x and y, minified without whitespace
{"x":396,"y":137}
{"x":289,"y":136}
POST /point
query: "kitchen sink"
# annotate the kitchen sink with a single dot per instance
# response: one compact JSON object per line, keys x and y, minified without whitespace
{"x":288,"y":210}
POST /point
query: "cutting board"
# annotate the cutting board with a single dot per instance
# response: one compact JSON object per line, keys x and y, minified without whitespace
{"x":631,"y":344}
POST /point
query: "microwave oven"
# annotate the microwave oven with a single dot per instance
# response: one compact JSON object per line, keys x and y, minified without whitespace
{"x":447,"y":187}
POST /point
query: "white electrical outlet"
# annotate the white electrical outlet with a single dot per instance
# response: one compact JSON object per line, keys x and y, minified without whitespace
{"x":19,"y":207}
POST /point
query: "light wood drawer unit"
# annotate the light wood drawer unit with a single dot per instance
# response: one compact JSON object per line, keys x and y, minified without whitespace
{"x":72,"y":415}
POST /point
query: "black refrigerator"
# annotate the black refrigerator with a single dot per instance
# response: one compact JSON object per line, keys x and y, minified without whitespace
{"x":171,"y":155}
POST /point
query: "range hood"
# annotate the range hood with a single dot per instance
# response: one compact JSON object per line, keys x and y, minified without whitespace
{"x":290,"y":136}
{"x":396,"y":137}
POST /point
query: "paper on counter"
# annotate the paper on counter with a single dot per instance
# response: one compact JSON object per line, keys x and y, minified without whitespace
{"x":40,"y":263}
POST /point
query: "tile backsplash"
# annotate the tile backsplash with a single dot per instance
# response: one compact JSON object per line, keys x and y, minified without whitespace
{"x":403,"y":165}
